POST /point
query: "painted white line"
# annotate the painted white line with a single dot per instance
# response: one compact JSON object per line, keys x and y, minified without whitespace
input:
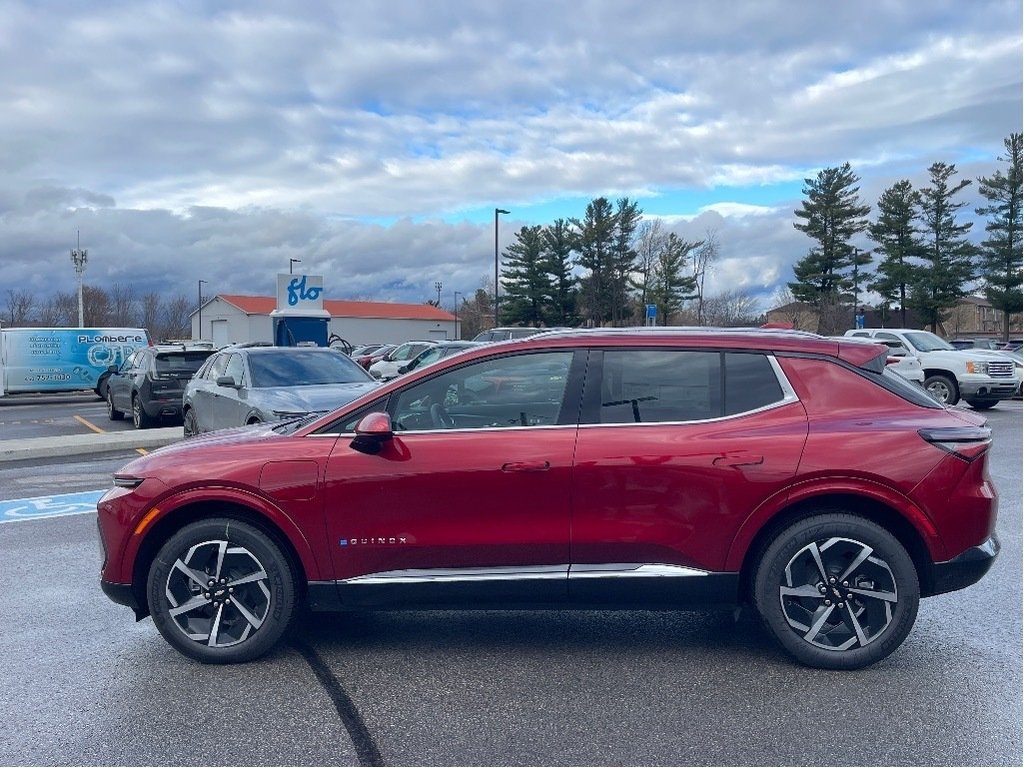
{"x":49,"y":506}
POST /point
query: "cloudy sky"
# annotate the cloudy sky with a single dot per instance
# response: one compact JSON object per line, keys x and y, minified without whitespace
{"x":373,"y":140}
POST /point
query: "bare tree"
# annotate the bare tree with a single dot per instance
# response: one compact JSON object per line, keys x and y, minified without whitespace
{"x":650,"y":243}
{"x":177,"y":321}
{"x":704,"y":259}
{"x":59,"y":311}
{"x":122,"y":305}
{"x":151,"y":309}
{"x":96,"y":306}
{"x":19,"y":306}
{"x":731,"y":309}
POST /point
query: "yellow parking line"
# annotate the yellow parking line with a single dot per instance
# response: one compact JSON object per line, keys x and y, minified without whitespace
{"x":94,"y":428}
{"x":89,"y":424}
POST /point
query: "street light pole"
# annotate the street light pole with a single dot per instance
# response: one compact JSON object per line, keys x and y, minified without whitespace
{"x":200,"y":336}
{"x":291,"y":262}
{"x":79,"y":257}
{"x":455,"y":300}
{"x":496,"y":212}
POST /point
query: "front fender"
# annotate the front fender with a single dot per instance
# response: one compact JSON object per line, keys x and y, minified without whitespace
{"x":822,"y":487}
{"x":311,"y":561}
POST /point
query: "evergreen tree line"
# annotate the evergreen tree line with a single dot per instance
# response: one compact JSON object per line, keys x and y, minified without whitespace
{"x":119,"y":307}
{"x":605,"y":269}
{"x":922,"y":259}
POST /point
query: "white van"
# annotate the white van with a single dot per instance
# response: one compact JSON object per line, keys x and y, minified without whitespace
{"x":63,"y":359}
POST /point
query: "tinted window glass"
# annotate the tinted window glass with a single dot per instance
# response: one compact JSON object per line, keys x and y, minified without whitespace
{"x":513,"y":391}
{"x":660,"y":385}
{"x":750,"y":382}
{"x":184,"y":363}
{"x":299,"y":367}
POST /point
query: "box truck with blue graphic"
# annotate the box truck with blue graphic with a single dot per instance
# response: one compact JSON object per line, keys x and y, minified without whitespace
{"x":62,"y":359}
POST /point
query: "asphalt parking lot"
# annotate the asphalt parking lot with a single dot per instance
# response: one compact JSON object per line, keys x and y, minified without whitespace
{"x":86,"y":685}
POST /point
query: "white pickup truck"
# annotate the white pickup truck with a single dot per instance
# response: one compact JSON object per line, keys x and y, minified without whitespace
{"x":979,"y":376}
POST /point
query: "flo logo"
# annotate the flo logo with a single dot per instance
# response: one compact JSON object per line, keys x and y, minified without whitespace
{"x":297,"y":291}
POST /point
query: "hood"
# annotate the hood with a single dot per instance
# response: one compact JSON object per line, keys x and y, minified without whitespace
{"x":314,"y":397}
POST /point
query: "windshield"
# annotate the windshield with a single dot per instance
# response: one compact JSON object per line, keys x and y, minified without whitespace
{"x":303,"y":367}
{"x":923,"y":341}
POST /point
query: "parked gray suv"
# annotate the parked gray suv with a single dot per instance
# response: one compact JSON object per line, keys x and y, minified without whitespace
{"x":250,"y":385}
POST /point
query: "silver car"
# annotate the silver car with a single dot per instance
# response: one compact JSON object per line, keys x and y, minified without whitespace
{"x":250,"y":385}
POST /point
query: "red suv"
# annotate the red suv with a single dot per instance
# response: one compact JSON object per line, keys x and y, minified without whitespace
{"x":597,"y":469}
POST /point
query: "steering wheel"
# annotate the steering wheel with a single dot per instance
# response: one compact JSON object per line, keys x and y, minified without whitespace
{"x":440,"y":417}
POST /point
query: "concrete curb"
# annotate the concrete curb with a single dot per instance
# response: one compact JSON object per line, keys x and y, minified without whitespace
{"x":77,"y":445}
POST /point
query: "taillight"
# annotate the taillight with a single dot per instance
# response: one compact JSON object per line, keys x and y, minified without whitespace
{"x":967,"y":443}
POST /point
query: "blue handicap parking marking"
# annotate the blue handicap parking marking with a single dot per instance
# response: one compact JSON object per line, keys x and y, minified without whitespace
{"x":49,"y":506}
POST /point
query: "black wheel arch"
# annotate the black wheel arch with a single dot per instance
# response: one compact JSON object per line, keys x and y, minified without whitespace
{"x":174,"y":521}
{"x":869,"y":509}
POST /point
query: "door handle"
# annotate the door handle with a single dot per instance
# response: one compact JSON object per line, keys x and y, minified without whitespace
{"x":526,"y":466}
{"x":738,"y":460}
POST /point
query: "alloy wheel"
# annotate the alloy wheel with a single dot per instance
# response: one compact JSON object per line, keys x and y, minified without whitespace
{"x":838,"y":594}
{"x":218,"y":594}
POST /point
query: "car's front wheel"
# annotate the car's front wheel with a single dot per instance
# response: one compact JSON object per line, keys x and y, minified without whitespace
{"x":837,"y":591}
{"x":943,"y":388}
{"x":221,"y":591}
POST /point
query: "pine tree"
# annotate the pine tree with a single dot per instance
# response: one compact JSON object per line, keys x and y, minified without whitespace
{"x":896,"y":235}
{"x":671,"y":285}
{"x":558,"y":249}
{"x":595,"y":242}
{"x":1001,"y":253}
{"x":627,"y":219}
{"x":832,"y":214}
{"x":525,"y":279}
{"x":947,"y":253}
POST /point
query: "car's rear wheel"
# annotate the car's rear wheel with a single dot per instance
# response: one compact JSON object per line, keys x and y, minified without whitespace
{"x":837,"y":591}
{"x":140,"y":418}
{"x":112,"y":413}
{"x":190,"y":423}
{"x":221,"y":591}
{"x":943,"y":388}
{"x":982,"y":405}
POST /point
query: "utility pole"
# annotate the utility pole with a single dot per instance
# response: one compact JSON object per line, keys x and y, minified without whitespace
{"x":79,"y":257}
{"x":438,"y":286}
{"x":199,"y":336}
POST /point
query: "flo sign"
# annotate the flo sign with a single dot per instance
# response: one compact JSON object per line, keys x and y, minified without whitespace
{"x":300,"y":293}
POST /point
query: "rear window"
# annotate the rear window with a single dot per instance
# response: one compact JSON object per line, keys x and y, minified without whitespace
{"x":303,"y":368}
{"x":181,"y":362}
{"x":908,"y":390}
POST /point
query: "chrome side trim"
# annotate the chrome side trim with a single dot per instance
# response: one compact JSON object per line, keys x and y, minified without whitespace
{"x":461,"y":575}
{"x":631,"y":570}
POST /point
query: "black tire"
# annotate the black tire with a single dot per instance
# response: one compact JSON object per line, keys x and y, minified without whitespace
{"x":140,"y":418}
{"x":982,"y":405}
{"x":235,"y":618}
{"x":112,"y":413}
{"x":855,"y":626}
{"x":190,"y":424}
{"x":943,"y":388}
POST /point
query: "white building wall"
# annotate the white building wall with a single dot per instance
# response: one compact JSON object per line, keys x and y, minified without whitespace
{"x":365,"y":330}
{"x":242,"y":328}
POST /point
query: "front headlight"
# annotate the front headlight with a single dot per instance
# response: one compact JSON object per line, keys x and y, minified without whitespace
{"x":976,"y":366}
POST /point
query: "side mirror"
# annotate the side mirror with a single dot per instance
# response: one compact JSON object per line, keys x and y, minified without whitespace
{"x":111,"y":369}
{"x":372,"y":432}
{"x":227,"y":381}
{"x":404,"y":368}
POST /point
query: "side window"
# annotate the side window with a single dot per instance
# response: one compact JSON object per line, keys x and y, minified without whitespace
{"x":750,"y":382}
{"x":644,"y":386}
{"x":512,"y":391}
{"x":128,"y":364}
{"x":217,"y":369}
{"x":234,"y":368}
